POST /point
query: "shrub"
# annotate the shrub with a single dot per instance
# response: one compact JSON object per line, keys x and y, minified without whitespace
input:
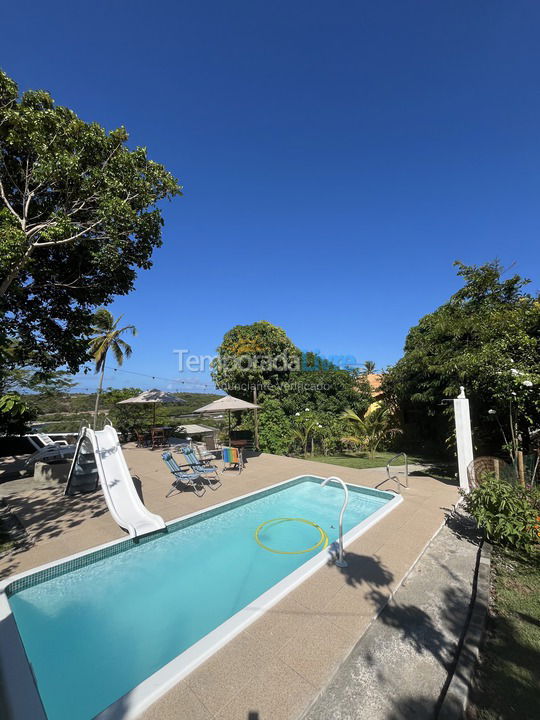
{"x":275,"y":431}
{"x":15,"y":414}
{"x":506,"y":513}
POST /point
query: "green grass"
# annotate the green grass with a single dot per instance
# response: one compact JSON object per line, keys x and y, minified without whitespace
{"x":507,"y":678}
{"x":360,"y":462}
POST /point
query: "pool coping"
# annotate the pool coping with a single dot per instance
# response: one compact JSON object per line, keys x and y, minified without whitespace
{"x":21,"y":690}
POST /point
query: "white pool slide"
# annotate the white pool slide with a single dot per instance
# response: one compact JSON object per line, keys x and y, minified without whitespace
{"x":99,"y":454}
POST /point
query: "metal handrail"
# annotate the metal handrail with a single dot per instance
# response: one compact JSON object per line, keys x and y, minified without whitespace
{"x":395,"y":477}
{"x":80,"y":437}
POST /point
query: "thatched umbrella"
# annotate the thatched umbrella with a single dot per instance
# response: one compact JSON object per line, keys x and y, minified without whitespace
{"x":227,"y":404}
{"x":152,"y":397}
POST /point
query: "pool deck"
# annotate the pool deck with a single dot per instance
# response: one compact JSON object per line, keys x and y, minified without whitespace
{"x":276,"y":668}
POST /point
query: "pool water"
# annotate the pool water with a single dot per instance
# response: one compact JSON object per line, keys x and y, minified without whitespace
{"x":95,"y":633}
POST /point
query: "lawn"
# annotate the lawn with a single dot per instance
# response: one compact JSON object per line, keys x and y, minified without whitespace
{"x":361,"y":462}
{"x":507,"y":680}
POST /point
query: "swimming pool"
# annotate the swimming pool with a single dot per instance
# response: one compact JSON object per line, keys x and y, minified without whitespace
{"x":109,"y":631}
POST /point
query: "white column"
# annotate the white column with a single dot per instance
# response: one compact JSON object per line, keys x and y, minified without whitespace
{"x":463,"y":438}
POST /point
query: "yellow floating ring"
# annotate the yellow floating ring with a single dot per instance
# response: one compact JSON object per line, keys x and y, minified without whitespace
{"x":322,"y":543}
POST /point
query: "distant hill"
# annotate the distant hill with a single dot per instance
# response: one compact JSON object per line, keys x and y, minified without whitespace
{"x":62,"y":412}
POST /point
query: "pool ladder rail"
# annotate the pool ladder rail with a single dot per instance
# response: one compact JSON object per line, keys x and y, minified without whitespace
{"x":340,"y":559}
{"x":395,"y":477}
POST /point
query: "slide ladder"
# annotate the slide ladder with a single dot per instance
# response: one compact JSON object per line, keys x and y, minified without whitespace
{"x":99,"y":459}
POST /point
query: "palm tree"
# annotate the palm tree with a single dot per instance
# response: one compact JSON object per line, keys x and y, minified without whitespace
{"x":302,"y":434}
{"x":107,"y":337}
{"x":371,"y":430}
{"x":369,"y":367}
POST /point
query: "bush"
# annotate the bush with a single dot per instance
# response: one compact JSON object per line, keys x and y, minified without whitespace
{"x":15,"y":414}
{"x":275,"y":431}
{"x":507,"y":513}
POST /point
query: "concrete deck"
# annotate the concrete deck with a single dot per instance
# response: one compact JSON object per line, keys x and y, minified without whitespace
{"x":400,"y":668}
{"x":277,"y":667}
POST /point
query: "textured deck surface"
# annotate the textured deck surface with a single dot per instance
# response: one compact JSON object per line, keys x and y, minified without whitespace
{"x":277,"y":667}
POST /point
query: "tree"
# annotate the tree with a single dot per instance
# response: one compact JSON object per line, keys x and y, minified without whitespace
{"x":328,"y":433}
{"x":107,"y":337}
{"x":275,"y":427}
{"x":486,"y":338}
{"x":125,"y":418}
{"x":78,"y":216}
{"x":258,"y":355}
{"x":17,"y":410}
{"x":306,"y":427}
{"x":287,"y":380}
{"x":325,"y":388}
{"x":370,"y":430}
{"x":369,"y":367}
{"x":15,"y":414}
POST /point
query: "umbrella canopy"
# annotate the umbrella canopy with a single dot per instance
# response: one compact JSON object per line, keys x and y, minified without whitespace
{"x":152,"y":397}
{"x":227,"y":404}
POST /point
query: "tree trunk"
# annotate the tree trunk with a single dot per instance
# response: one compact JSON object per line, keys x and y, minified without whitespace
{"x":256,"y":418}
{"x":521,"y":467}
{"x":99,"y":391}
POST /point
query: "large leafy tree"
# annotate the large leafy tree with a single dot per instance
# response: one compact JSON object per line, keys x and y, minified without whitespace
{"x":486,"y":338}
{"x":261,"y":355}
{"x":258,"y":355}
{"x":325,"y":387}
{"x":79,"y":215}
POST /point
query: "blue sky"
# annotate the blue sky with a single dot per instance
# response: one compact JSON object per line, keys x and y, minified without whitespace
{"x":336,"y":157}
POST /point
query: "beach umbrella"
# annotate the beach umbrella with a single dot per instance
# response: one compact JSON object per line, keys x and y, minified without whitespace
{"x":227,"y":404}
{"x":152,"y":397}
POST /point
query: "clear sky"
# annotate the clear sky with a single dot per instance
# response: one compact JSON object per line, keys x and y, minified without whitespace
{"x":336,"y":157}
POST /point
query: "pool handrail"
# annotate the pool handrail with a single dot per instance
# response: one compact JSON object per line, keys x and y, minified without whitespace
{"x":340,"y":560}
{"x":395,"y":477}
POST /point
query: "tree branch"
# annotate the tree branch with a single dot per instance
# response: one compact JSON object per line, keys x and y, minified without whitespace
{"x":8,"y":204}
{"x":69,"y":239}
{"x":10,"y":277}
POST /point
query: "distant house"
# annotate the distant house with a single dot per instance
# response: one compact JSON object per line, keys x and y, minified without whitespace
{"x":374,"y":380}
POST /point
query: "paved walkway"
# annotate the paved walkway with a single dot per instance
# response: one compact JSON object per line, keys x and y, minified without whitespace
{"x":399,"y":669}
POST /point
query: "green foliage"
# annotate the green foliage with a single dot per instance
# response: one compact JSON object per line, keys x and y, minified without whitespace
{"x":15,"y":414}
{"x":486,"y":338}
{"x":78,"y":216}
{"x":369,"y":366}
{"x":245,"y":359}
{"x":369,"y":431}
{"x":275,"y":428}
{"x":506,"y":679}
{"x":328,"y":433}
{"x":506,"y":512}
{"x":125,"y":418}
{"x":324,"y":388}
{"x":287,"y":381}
{"x":105,"y":338}
{"x":305,"y":428}
{"x":66,"y":411}
{"x":33,"y":380}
